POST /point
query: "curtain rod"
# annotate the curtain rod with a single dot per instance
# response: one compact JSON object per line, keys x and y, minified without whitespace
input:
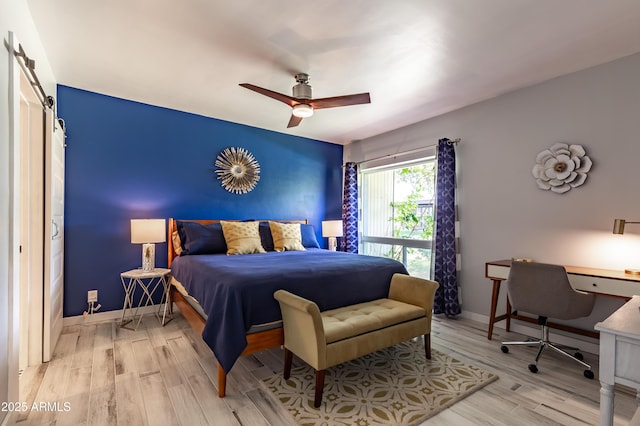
{"x":30,"y":68}
{"x":449,"y":142}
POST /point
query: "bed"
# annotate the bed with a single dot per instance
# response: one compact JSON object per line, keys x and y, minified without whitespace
{"x":229,"y":299}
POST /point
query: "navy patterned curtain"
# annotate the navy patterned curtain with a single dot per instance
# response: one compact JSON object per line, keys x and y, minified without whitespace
{"x":445,"y":268}
{"x":349,"y":241}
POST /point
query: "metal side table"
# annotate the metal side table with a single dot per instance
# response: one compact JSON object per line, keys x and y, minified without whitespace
{"x":149,"y":282}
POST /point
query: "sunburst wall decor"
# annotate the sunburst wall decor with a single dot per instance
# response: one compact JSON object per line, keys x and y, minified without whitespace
{"x":238,"y":170}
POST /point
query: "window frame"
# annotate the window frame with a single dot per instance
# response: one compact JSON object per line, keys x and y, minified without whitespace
{"x":398,"y":161}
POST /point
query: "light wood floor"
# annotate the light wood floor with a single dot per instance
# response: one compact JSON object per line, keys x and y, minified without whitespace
{"x":102,"y":374}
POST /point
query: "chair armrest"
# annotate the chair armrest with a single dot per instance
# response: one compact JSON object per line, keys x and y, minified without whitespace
{"x":414,"y":291}
{"x":303,"y":329}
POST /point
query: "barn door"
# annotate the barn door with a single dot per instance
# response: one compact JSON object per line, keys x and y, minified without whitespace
{"x":53,"y":233}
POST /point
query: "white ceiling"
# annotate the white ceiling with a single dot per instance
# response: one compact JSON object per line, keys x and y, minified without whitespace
{"x":417,"y":58}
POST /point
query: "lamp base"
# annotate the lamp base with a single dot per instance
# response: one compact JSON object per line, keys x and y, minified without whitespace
{"x":632,"y":271}
{"x":333,"y":243}
{"x":148,"y":257}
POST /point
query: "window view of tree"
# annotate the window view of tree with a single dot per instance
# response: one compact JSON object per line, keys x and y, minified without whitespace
{"x":413,"y":212}
{"x":413,"y":215}
{"x":398,"y":215}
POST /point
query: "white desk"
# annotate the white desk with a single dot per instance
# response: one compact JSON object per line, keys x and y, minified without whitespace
{"x":619,"y":356}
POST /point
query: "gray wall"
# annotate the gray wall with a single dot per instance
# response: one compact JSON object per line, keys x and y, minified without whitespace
{"x":503,"y":214}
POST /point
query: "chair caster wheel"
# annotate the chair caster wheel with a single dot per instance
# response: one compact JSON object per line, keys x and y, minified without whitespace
{"x":504,"y":349}
{"x":588,"y":374}
{"x":579,"y":356}
{"x":533,"y":368}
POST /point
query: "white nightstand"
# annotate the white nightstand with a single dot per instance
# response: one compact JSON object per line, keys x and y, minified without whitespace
{"x":149,"y":282}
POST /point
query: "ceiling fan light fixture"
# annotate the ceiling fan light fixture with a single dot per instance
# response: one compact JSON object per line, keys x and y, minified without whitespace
{"x":302,"y":110}
{"x":302,"y":104}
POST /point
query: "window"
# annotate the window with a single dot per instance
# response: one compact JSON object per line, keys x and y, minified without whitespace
{"x":398,"y":212}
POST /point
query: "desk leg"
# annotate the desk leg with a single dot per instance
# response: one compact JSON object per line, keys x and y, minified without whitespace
{"x":508,"y":314}
{"x":606,"y":404}
{"x":494,"y":304}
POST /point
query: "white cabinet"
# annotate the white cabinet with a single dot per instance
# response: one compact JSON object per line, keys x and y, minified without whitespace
{"x":619,"y":355}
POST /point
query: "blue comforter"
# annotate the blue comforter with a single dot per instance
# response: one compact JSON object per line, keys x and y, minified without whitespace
{"x":236,"y":292}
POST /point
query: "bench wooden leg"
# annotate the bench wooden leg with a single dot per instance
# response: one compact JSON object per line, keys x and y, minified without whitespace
{"x":319,"y":388}
{"x":288,"y":357}
{"x":427,"y":345}
{"x":222,"y":381}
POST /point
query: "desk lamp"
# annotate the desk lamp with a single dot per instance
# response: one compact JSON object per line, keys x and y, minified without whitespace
{"x":148,"y":232}
{"x":332,"y":229}
{"x":618,"y":228}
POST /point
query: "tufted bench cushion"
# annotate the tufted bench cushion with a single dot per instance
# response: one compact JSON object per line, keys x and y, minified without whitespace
{"x":350,"y":321}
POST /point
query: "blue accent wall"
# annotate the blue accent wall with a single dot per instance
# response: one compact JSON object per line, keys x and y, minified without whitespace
{"x":127,"y":160}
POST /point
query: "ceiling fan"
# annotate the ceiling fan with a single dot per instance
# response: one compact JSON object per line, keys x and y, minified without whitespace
{"x":302,"y":103}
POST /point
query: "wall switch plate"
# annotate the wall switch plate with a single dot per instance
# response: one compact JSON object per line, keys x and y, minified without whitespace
{"x":92,"y":296}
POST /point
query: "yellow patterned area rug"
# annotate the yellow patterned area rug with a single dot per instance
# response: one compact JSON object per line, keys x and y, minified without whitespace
{"x":394,"y":386}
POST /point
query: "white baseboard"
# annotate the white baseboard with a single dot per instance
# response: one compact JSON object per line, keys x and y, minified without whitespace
{"x":104,"y":316}
{"x":586,"y":344}
{"x":590,"y":346}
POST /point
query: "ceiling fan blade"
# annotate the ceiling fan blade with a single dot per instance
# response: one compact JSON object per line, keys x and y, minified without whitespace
{"x":289,"y":100}
{"x":338,"y":101}
{"x":294,"y":121}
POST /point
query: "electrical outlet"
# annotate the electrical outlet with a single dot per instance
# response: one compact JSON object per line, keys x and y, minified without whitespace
{"x":92,"y":296}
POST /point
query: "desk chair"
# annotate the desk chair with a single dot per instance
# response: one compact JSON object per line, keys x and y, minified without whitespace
{"x":544,"y":290}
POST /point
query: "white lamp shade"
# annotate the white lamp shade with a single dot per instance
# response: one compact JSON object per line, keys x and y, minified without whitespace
{"x":332,"y":228}
{"x":148,"y":231}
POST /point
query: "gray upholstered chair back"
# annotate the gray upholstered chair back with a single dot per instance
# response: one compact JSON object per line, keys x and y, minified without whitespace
{"x":544,"y":290}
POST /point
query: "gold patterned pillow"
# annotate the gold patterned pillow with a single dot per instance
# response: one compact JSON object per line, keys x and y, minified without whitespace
{"x":242,"y":237}
{"x":286,"y":236}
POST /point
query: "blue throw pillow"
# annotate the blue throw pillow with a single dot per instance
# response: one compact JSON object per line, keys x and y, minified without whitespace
{"x":266,"y":237}
{"x":201,"y":239}
{"x":308,"y":236}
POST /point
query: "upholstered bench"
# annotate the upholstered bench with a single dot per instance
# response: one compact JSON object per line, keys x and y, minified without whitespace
{"x":325,"y":339}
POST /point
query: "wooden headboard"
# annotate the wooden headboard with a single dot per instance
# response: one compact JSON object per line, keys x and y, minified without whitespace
{"x":173,"y":226}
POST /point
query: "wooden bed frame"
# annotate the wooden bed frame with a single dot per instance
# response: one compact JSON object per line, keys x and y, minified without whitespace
{"x":256,"y":342}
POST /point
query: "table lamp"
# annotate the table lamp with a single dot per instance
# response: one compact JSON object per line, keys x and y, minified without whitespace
{"x":618,"y":228}
{"x":148,"y":232}
{"x":332,"y":229}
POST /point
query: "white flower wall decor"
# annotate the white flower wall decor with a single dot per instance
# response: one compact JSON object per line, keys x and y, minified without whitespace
{"x":238,"y":170}
{"x":561,"y":167}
